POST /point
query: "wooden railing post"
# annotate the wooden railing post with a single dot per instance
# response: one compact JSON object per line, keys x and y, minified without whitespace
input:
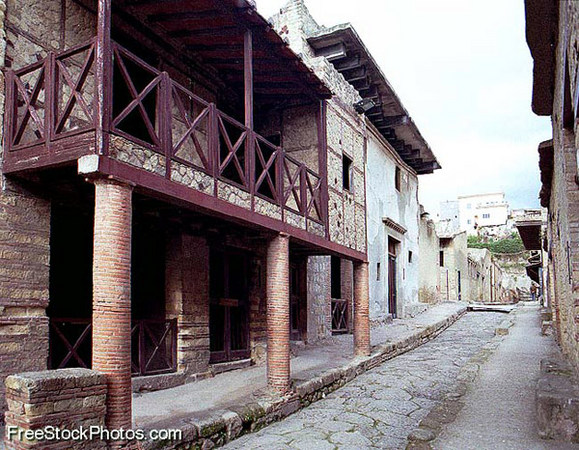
{"x":164,"y":111}
{"x":250,"y":149}
{"x":323,"y":164}
{"x":104,"y":77}
{"x":213,"y":145}
{"x":279,"y":167}
{"x":248,"y":88}
{"x":49,"y":98}
{"x":10,"y":109}
{"x":304,"y":190}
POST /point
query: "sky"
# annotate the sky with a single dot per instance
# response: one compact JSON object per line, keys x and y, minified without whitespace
{"x":463,"y":71}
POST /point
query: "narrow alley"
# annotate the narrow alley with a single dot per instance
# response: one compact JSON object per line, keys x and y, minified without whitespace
{"x":380,"y":408}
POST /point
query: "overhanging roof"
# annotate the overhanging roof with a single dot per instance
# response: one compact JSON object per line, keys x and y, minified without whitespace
{"x":342,"y":46}
{"x":546,"y":168}
{"x":212,"y":32}
{"x":541,"y":29}
{"x":530,"y":232}
{"x":533,"y":272}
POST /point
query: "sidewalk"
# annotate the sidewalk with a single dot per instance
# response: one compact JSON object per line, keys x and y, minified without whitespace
{"x":217,"y":410}
{"x":234,"y":403}
{"x":499,"y":408}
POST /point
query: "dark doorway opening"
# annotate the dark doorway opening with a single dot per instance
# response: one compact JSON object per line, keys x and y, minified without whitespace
{"x":70,"y":286}
{"x":229,"y":305}
{"x":153,"y":336}
{"x":298,"y":303}
{"x":340,"y":319}
{"x":392,"y":287}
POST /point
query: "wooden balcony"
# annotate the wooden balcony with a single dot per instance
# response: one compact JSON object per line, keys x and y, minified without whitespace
{"x":60,"y":109}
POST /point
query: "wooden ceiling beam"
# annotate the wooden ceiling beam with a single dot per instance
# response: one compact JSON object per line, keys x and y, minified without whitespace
{"x":182,"y":15}
{"x":352,"y":62}
{"x":207,"y":32}
{"x":333,"y":52}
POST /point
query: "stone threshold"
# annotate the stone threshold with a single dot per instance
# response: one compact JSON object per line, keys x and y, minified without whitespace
{"x":261,"y":409}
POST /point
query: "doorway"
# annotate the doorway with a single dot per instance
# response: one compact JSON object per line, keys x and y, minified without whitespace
{"x":229,"y":305}
{"x":298,"y":307}
{"x":392,"y":288}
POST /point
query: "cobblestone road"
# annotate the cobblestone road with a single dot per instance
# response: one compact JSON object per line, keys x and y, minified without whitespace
{"x":381,"y":407}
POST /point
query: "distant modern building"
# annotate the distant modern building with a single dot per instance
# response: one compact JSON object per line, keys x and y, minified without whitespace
{"x":471,"y":212}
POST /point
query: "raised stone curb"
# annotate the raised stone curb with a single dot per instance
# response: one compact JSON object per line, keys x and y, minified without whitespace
{"x":225,"y":425}
{"x":446,"y":411}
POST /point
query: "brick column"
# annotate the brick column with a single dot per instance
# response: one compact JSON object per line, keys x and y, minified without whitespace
{"x":278,"y":314}
{"x":111,"y":334}
{"x":361,"y":310}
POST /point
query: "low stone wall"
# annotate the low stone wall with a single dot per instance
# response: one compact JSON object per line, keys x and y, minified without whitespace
{"x":226,"y":425}
{"x":557,"y":402}
{"x":67,"y":399}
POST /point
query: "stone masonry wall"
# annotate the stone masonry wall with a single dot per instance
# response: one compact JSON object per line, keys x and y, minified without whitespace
{"x":319,"y":298}
{"x":564,"y":205}
{"x":65,"y":399}
{"x":28,"y":29}
{"x":346,"y":130}
{"x":187,"y":296}
{"x":24,"y":278}
{"x":455,"y":261}
{"x":258,"y":308}
{"x":428,"y":254}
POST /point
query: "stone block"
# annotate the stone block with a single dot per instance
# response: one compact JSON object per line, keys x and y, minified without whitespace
{"x":557,"y":405}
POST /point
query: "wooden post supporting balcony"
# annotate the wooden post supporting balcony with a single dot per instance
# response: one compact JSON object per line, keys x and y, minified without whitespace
{"x":248,"y":95}
{"x":104,"y":76}
{"x":248,"y":77}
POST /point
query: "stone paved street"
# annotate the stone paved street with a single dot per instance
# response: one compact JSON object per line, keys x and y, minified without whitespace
{"x":380,"y":408}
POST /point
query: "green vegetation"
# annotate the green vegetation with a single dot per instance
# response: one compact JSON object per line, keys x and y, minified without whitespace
{"x":513,"y":244}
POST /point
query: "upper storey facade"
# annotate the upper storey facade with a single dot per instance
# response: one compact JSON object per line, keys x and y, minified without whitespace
{"x":195,"y":102}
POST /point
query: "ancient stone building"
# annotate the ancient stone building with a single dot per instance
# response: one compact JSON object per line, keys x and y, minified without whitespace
{"x":181,"y":194}
{"x":553,"y":38}
{"x":485,"y":278}
{"x":453,"y":262}
{"x":429,"y":262}
{"x":386,"y":138}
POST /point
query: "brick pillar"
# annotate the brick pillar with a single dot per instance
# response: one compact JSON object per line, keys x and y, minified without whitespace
{"x":111,"y":334}
{"x":278,"y":314}
{"x":361,"y":310}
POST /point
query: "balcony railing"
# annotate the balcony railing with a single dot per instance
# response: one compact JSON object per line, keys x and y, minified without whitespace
{"x":51,"y":107}
{"x":153,"y":345}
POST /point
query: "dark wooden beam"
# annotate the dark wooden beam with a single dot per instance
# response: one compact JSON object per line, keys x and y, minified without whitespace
{"x":179,"y":16}
{"x":355,"y":73}
{"x":248,"y":78}
{"x":104,"y":63}
{"x":393,"y":121}
{"x":370,"y":91}
{"x":350,"y":63}
{"x":333,"y":52}
{"x":205,"y":32}
{"x":426,"y":167}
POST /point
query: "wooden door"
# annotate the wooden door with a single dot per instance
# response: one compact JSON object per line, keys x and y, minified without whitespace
{"x":229,"y":311}
{"x":392,"y":277}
